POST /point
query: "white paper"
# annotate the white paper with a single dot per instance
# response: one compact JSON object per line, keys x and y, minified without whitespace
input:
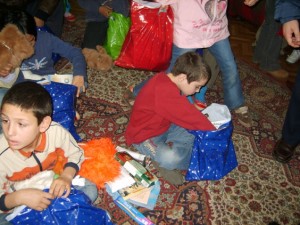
{"x":142,"y":196}
{"x":61,"y":78}
{"x":15,"y":213}
{"x":122,"y":181}
{"x":137,"y":156}
{"x":217,"y":114}
{"x":78,"y":181}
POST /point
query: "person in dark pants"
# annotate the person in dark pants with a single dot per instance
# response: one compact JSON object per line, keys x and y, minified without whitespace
{"x":288,"y":13}
{"x":45,"y":12}
{"x":267,"y":50}
{"x":49,"y":13}
{"x":97,"y":13}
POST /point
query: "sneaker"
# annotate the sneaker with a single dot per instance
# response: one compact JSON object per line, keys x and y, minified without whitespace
{"x":69,"y":17}
{"x":174,"y":177}
{"x":243,"y":116}
{"x":294,"y":56}
{"x":279,"y":74}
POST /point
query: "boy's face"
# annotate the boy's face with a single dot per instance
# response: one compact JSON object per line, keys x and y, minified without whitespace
{"x":190,"y":88}
{"x":21,"y":129}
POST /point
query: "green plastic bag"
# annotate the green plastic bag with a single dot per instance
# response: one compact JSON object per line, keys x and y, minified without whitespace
{"x":118,"y":26}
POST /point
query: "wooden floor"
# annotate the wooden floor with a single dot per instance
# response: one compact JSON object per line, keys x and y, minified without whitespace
{"x":242,"y":35}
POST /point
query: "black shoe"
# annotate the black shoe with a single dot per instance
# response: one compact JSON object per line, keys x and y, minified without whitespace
{"x":283,"y":152}
{"x":273,"y":223}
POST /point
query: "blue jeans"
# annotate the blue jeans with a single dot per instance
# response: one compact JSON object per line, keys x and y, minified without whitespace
{"x":171,"y":150}
{"x":89,"y":189}
{"x":233,"y":94}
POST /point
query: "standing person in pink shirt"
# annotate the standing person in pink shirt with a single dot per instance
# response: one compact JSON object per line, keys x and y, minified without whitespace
{"x":204,"y":24}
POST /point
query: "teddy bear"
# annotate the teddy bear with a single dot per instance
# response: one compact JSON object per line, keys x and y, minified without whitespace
{"x":97,"y":58}
{"x":14,"y":47}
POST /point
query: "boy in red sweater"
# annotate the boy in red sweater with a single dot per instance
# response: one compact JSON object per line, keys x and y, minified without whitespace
{"x":162,"y":114}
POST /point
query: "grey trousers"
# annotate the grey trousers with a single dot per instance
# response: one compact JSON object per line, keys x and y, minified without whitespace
{"x":268,"y":45}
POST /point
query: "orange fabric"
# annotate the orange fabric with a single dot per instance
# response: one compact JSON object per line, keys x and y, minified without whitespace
{"x":47,"y":164}
{"x":99,"y":165}
{"x":39,"y":148}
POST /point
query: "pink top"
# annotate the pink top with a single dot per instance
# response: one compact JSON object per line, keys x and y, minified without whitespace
{"x":198,"y":23}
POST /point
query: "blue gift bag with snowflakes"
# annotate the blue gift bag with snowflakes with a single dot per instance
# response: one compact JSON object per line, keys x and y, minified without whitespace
{"x":76,"y":209}
{"x":213,"y":155}
{"x":63,"y":100}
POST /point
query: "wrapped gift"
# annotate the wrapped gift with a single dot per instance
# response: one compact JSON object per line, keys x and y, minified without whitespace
{"x":213,"y":155}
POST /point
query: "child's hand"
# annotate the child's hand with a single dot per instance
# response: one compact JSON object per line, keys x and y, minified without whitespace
{"x":291,"y":32}
{"x":35,"y":198}
{"x":61,"y":187}
{"x":78,"y":81}
{"x":250,"y":2}
{"x":39,"y":22}
{"x":105,"y":10}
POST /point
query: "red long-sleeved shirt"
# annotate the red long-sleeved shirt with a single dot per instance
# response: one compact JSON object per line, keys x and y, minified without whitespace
{"x":157,"y":106}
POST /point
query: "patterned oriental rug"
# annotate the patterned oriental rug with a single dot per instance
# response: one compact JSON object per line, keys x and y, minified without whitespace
{"x":258,"y":191}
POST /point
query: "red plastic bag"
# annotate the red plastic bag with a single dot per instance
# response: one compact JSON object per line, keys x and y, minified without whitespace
{"x":148,"y":44}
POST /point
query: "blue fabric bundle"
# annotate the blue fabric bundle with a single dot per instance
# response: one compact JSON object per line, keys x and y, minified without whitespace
{"x":213,"y":154}
{"x":63,"y":100}
{"x":76,"y":209}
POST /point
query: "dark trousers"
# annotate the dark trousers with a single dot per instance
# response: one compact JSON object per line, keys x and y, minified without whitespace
{"x":55,"y":21}
{"x":95,"y":34}
{"x":291,"y":126}
{"x":267,"y":50}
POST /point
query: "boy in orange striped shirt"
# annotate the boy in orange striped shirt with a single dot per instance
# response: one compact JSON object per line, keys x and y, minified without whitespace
{"x":32,"y":143}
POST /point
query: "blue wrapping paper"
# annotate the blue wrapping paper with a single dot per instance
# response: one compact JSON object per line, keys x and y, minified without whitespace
{"x":76,"y":209}
{"x":213,"y":154}
{"x":63,"y":100}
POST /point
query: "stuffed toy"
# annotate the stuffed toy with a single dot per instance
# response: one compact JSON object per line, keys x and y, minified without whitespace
{"x":14,"y":47}
{"x":97,"y":58}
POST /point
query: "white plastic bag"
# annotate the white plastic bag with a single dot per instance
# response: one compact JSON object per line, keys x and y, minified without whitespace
{"x":217,"y":114}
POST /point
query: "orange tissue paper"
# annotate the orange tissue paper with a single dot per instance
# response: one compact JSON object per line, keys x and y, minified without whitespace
{"x":99,"y":165}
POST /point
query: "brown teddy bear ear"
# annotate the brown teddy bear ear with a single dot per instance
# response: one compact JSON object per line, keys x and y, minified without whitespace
{"x":9,"y":34}
{"x":101,"y":49}
{"x":16,"y":43}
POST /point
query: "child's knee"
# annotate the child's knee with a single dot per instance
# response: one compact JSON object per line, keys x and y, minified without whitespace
{"x":89,"y":189}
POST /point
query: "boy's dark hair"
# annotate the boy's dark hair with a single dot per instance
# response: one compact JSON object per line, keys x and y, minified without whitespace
{"x":24,"y":21}
{"x":192,"y":65}
{"x":30,"y":96}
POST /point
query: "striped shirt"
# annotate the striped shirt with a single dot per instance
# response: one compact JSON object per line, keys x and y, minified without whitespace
{"x":17,"y":165}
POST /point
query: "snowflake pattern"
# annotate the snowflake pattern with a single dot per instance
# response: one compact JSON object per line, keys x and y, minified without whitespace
{"x":36,"y":65}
